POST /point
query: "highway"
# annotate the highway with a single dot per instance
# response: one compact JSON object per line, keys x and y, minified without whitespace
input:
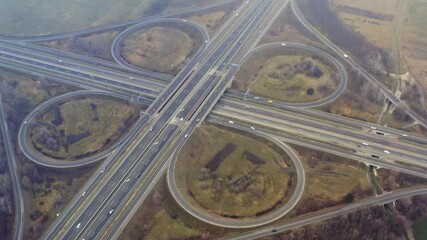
{"x":161,"y":128}
{"x":313,"y":129}
{"x":384,"y":89}
{"x":19,"y":209}
{"x":132,"y":168}
{"x":323,"y":215}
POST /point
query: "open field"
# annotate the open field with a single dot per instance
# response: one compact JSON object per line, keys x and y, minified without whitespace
{"x":161,"y":49}
{"x":82,"y":127}
{"x":96,"y":45}
{"x":287,"y":28}
{"x":232,"y":174}
{"x":360,"y":100}
{"x":331,"y":181}
{"x":391,"y":180}
{"x":287,"y":75}
{"x":30,"y":18}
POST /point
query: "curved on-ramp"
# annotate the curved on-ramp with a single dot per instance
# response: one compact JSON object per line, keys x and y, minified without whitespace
{"x":51,"y":162}
{"x":337,"y":64}
{"x":118,"y":41}
{"x":244,"y":223}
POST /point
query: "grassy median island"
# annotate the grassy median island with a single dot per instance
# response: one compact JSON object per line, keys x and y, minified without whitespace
{"x":287,"y":77}
{"x":330,"y":181}
{"x":161,"y":49}
{"x":232,"y":174}
{"x":82,"y":127}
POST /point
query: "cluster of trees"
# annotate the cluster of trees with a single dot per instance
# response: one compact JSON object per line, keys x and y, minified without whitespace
{"x":306,"y":66}
{"x":369,"y":224}
{"x":48,"y":137}
{"x":238,"y":184}
{"x":372,"y":93}
{"x":413,"y":95}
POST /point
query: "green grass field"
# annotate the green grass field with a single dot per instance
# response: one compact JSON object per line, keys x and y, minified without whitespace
{"x":269,"y":182}
{"x":79,"y":117}
{"x":161,"y":49}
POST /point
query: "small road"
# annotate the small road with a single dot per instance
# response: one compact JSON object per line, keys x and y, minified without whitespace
{"x":308,"y":219}
{"x":16,"y":180}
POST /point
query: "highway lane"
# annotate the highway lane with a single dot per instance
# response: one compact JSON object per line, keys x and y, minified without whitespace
{"x":19,"y":209}
{"x":90,"y":74}
{"x":46,"y":161}
{"x":84,"y":61}
{"x":170,"y":22}
{"x":113,"y":26}
{"x":323,"y":147}
{"x":337,"y":64}
{"x":214,"y":56}
{"x":323,"y":215}
{"x":313,"y":129}
{"x":162,"y":119}
{"x":384,"y":89}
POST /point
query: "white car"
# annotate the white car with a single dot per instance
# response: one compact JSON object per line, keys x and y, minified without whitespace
{"x":206,"y":41}
{"x":186,"y":135}
{"x":25,"y":122}
{"x":252,"y":128}
{"x":345,"y":56}
{"x":247,"y":107}
{"x":181,"y":119}
{"x":127,"y":180}
{"x":372,"y":127}
{"x":404,"y":135}
{"x":256,"y":98}
{"x":231,"y":122}
{"x":156,"y":143}
{"x":386,"y":152}
{"x":283,"y":44}
{"x":78,"y":225}
{"x":365,"y":144}
{"x":198,"y":120}
{"x":84,"y":193}
{"x":103,"y":170}
{"x":111,"y":211}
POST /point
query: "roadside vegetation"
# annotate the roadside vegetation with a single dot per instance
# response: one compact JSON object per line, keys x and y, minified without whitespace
{"x":6,"y":195}
{"x":331,"y":181}
{"x":46,"y":191}
{"x":94,"y":45}
{"x":287,"y":75}
{"x":233,"y":175}
{"x":160,"y":217}
{"x":160,"y":49}
{"x":81,"y":127}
